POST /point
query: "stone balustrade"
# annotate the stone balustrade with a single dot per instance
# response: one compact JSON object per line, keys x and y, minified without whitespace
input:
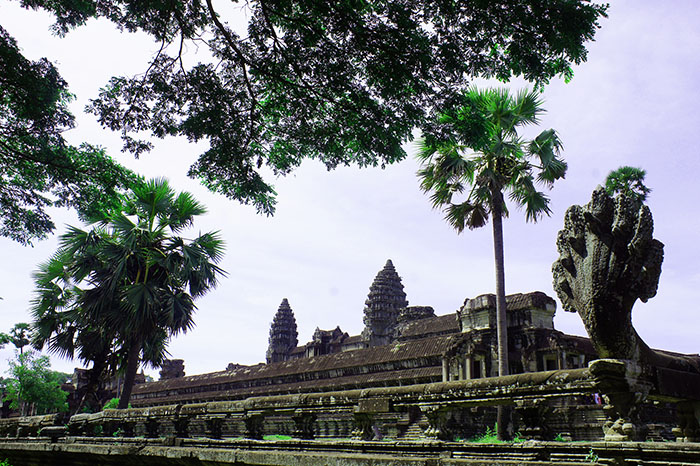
{"x":635,"y":405}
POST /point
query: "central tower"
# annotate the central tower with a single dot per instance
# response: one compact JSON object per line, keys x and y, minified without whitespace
{"x":283,"y":334}
{"x":386,"y":298}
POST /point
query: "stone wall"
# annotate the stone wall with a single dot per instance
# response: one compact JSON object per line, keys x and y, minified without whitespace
{"x":546,"y":404}
{"x":415,"y":423}
{"x":611,"y":399}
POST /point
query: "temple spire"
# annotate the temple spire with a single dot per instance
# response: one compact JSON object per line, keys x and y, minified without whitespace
{"x":283,"y":334}
{"x":386,"y":298}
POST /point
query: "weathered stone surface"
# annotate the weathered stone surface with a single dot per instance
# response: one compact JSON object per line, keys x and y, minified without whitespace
{"x":30,"y":426}
{"x":346,"y":453}
{"x":172,"y":369}
{"x":625,"y":388}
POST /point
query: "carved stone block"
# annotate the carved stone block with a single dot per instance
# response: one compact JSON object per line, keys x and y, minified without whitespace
{"x":304,"y":424}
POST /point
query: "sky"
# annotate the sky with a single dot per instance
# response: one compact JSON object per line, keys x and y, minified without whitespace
{"x":634,"y":102}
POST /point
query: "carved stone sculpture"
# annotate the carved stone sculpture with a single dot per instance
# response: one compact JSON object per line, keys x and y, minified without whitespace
{"x":608,"y":260}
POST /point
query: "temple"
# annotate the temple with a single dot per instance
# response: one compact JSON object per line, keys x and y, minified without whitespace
{"x":400,"y":345}
{"x":412,"y":376}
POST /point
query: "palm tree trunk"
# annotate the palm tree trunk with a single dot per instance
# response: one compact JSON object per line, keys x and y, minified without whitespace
{"x":501,"y":319}
{"x":91,"y":388}
{"x":504,"y":414}
{"x":132,"y":366}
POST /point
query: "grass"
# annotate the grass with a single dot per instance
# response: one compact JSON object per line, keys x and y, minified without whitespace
{"x":277,"y":437}
{"x":490,"y":436}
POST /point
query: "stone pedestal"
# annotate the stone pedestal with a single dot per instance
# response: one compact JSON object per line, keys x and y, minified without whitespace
{"x":624,"y":388}
{"x":438,"y":423}
{"x":362,"y":426}
{"x":254,"y":425}
{"x":304,"y":424}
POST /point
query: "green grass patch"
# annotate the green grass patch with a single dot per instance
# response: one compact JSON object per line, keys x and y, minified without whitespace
{"x":490,"y":436}
{"x":276,"y":437}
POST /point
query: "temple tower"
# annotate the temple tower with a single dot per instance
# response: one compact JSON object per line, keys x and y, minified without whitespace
{"x":283,"y":334}
{"x":386,"y":298}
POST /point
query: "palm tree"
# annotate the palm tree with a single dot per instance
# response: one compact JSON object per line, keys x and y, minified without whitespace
{"x":628,"y":181}
{"x":472,"y":155}
{"x":129,"y":283}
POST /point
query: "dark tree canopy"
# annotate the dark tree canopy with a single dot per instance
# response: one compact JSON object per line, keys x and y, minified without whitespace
{"x":341,"y":82}
{"x":37,"y":168}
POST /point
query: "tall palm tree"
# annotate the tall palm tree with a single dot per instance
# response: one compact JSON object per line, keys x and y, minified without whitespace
{"x":133,"y":279}
{"x":472,"y":155}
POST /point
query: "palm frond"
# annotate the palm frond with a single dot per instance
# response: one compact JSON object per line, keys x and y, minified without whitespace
{"x":526,"y":196}
{"x":182,"y":211}
{"x":527,"y":108}
{"x":152,"y":198}
{"x":466,"y":215}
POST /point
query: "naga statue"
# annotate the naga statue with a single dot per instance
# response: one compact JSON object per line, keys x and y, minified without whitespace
{"x":607,"y":260}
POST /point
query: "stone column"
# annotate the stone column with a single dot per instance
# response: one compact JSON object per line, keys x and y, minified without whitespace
{"x":362,"y":426}
{"x":254,"y":425}
{"x":304,"y":424}
{"x":468,"y":364}
{"x":445,"y":369}
{"x":460,"y":362}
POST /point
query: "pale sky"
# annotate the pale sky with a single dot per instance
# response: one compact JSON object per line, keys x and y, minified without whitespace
{"x":635,"y":102}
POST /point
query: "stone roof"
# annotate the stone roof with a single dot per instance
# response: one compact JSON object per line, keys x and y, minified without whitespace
{"x":353,"y":339}
{"x":439,"y":325}
{"x":419,"y":375}
{"x":358,"y":359}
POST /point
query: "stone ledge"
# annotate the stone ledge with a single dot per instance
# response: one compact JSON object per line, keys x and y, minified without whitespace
{"x":343,"y":453}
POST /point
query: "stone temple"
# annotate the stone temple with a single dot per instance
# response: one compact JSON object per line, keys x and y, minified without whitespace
{"x":400,"y":345}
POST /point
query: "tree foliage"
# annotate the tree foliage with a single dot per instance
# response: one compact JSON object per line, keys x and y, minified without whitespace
{"x":628,"y":181}
{"x":32,"y":387}
{"x":118,"y":292}
{"x":473,"y":150}
{"x":20,"y":335}
{"x":38,"y":169}
{"x":341,"y":82}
